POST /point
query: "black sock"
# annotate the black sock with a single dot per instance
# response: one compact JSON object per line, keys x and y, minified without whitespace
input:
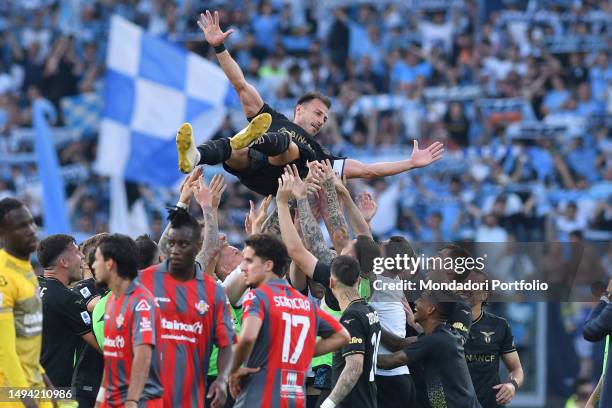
{"x":272,"y":143}
{"x":215,"y":151}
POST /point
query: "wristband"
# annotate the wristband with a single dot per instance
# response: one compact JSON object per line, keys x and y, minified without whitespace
{"x":513,"y":382}
{"x":328,"y":404}
{"x":100,"y":396}
{"x":219,"y":48}
{"x":182,"y":205}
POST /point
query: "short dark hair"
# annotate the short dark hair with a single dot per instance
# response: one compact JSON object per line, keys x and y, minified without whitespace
{"x":346,"y":269}
{"x":270,"y":248}
{"x":51,"y":247}
{"x":7,"y":205}
{"x":366,"y":250}
{"x":147,"y":251}
{"x":179,"y":217}
{"x":123,"y":250}
{"x":309,"y":96}
{"x":398,"y":245}
{"x":88,"y":248}
{"x":444,"y":300}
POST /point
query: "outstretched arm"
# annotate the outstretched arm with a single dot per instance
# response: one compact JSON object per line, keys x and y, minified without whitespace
{"x":209,"y":198}
{"x":249,"y":97}
{"x":418,"y":158}
{"x":303,"y":259}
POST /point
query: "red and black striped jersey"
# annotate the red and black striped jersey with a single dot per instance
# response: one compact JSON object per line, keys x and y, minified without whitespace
{"x":131,"y":319}
{"x":195,"y":315}
{"x":285,"y":345}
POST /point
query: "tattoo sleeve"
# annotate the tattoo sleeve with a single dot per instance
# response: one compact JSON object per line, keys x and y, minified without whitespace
{"x":337,"y":224}
{"x":348,"y":378}
{"x":358,"y":223}
{"x":313,"y":237}
{"x":271,"y":225}
{"x":211,"y":244}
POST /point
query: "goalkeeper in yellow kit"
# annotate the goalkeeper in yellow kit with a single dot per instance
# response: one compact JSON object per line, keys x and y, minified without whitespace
{"x":20,"y":310}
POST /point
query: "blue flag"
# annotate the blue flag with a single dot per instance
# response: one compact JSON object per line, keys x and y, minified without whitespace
{"x":54,"y":194}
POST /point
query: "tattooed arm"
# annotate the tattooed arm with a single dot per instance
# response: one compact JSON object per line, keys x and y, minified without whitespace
{"x":336,"y":223}
{"x":312,"y":233}
{"x":209,"y":198}
{"x":356,"y":219}
{"x":348,"y":378}
{"x":271,"y":225}
{"x":302,"y":258}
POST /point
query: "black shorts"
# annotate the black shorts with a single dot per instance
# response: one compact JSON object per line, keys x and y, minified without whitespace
{"x":395,"y":391}
{"x":262,"y":177}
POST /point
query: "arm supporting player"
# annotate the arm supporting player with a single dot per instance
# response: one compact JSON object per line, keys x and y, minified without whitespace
{"x":356,"y":220}
{"x":304,"y":260}
{"x":338,"y":229}
{"x":140,"y":371}
{"x":507,"y":391}
{"x":347,"y":380}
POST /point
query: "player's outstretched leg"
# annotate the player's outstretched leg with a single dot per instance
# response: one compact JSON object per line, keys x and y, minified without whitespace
{"x":217,"y":151}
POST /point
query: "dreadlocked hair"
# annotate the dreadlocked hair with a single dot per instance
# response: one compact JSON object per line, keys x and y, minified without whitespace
{"x":180,"y":217}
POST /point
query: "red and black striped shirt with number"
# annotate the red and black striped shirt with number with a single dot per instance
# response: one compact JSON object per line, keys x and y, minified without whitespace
{"x":285,"y":345}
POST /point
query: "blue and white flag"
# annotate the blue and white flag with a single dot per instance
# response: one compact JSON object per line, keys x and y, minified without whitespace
{"x":152,"y":86}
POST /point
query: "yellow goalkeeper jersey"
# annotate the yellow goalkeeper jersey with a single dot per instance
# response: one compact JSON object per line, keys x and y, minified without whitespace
{"x":20,"y":324}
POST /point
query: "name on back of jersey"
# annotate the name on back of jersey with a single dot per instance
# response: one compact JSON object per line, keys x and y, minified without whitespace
{"x":292,"y":302}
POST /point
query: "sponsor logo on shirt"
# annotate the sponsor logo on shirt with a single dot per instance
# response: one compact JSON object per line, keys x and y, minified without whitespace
{"x":86,"y":318}
{"x":201,"y":307}
{"x":163,"y":300}
{"x":145,"y":325}
{"x":117,"y":342}
{"x":292,"y":302}
{"x":119,"y":320}
{"x":85,"y":292}
{"x":480,"y":358}
{"x":196,"y":327}
{"x":143,"y":306}
{"x":487,"y":336}
{"x":356,"y":340}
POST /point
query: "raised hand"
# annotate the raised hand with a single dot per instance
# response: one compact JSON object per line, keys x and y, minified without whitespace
{"x":285,"y":185}
{"x":424,"y":157}
{"x":186,"y":190}
{"x":256,"y":216}
{"x":209,"y":196}
{"x":315,"y":175}
{"x":366,"y":205}
{"x":209,"y":25}
{"x":300,"y":189}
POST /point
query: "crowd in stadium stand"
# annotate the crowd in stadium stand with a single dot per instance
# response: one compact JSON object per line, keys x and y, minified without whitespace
{"x":520,"y":92}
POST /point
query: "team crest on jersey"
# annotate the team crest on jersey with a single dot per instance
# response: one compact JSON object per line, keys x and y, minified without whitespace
{"x":487,"y":336}
{"x":201,"y":307}
{"x":143,"y":306}
{"x":119,"y":320}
